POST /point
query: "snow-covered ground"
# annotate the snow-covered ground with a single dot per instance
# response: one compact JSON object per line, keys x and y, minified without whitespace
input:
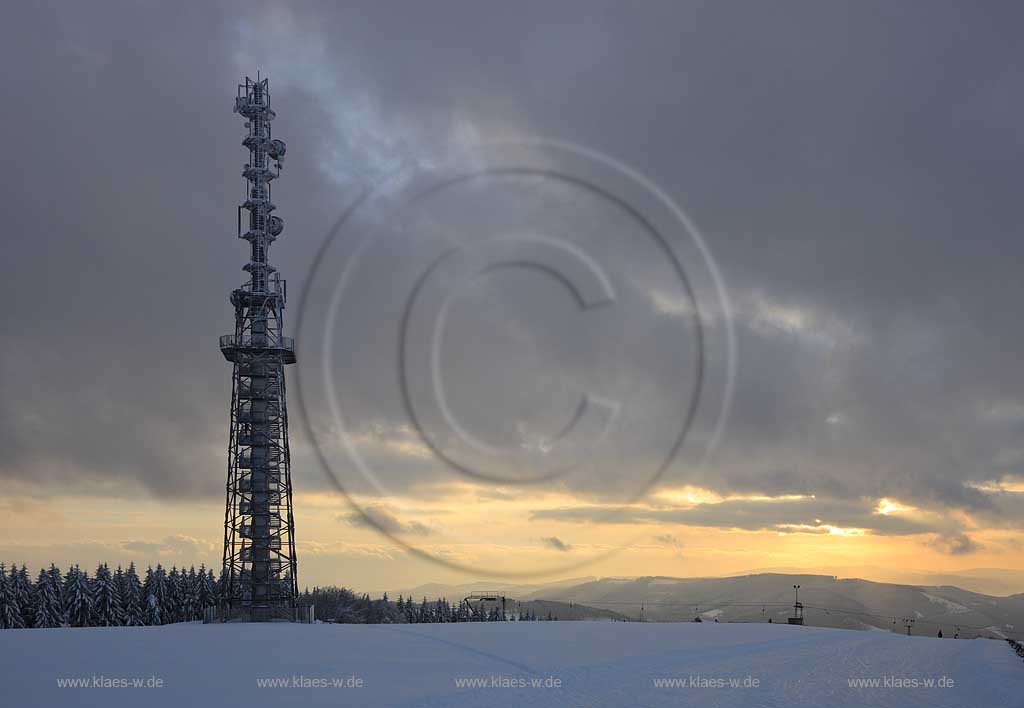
{"x":585,"y":664}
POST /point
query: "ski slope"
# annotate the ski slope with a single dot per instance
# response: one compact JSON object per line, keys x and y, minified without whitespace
{"x":595,"y":664}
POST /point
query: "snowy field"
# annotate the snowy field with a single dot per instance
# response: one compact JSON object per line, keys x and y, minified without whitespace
{"x":585,"y":664}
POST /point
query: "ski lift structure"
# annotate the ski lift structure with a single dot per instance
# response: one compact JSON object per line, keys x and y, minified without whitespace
{"x":481,"y":597}
{"x":798,"y":607}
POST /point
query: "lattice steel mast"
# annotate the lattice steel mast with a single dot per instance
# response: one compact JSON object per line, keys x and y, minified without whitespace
{"x":259,"y":531}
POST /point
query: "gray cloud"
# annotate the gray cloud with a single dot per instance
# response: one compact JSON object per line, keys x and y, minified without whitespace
{"x":956,"y":544}
{"x":855,"y":173}
{"x":177,"y":544}
{"x":380,"y":518}
{"x":667,"y":539}
{"x":556,"y":543}
{"x":147,"y":547}
{"x":801,"y":515}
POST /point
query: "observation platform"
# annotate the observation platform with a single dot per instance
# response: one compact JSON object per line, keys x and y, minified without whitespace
{"x":237,"y":348}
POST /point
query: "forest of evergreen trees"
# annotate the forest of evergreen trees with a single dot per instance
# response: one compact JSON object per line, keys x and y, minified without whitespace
{"x":107,"y":599}
{"x":335,"y":604}
{"x":120,"y":599}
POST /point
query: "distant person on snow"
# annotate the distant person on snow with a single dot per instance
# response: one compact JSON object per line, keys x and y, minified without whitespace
{"x":940,"y":634}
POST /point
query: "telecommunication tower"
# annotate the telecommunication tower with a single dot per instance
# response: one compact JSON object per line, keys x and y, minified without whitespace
{"x":259,"y":530}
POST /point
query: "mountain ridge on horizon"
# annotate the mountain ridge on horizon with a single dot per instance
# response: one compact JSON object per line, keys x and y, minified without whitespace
{"x":828,"y":601}
{"x":994,"y":582}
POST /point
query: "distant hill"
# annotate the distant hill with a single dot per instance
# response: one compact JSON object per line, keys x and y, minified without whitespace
{"x":990,"y":581}
{"x":829,"y":602}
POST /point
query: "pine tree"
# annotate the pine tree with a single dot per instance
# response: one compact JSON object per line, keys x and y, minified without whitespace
{"x":154,"y":616}
{"x":78,"y":598}
{"x":173,"y":597}
{"x":57,"y":583}
{"x":206,"y":595}
{"x":223,"y":591}
{"x":147,"y":583}
{"x":185,"y":595}
{"x":162,"y":592}
{"x":23,"y":591}
{"x":66,"y":591}
{"x":10,"y":610}
{"x":119,"y":582}
{"x":132,"y":599}
{"x":46,"y":607}
{"x":106,"y":599}
{"x":191,"y":596}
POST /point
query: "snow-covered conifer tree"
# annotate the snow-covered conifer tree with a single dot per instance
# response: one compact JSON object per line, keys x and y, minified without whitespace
{"x":132,"y":599}
{"x":119,"y":581}
{"x":154,"y":615}
{"x":106,"y":599}
{"x":46,"y":606}
{"x":147,"y":584}
{"x":160,"y":592}
{"x":66,"y":591}
{"x":222,"y":586}
{"x":10,"y":610}
{"x":190,"y":595}
{"x":57,"y":583}
{"x":78,"y":599}
{"x":172,"y":596}
{"x":207,"y":593}
{"x":23,"y":591}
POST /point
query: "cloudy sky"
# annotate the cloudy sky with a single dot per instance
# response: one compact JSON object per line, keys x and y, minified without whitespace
{"x":851,"y":168}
